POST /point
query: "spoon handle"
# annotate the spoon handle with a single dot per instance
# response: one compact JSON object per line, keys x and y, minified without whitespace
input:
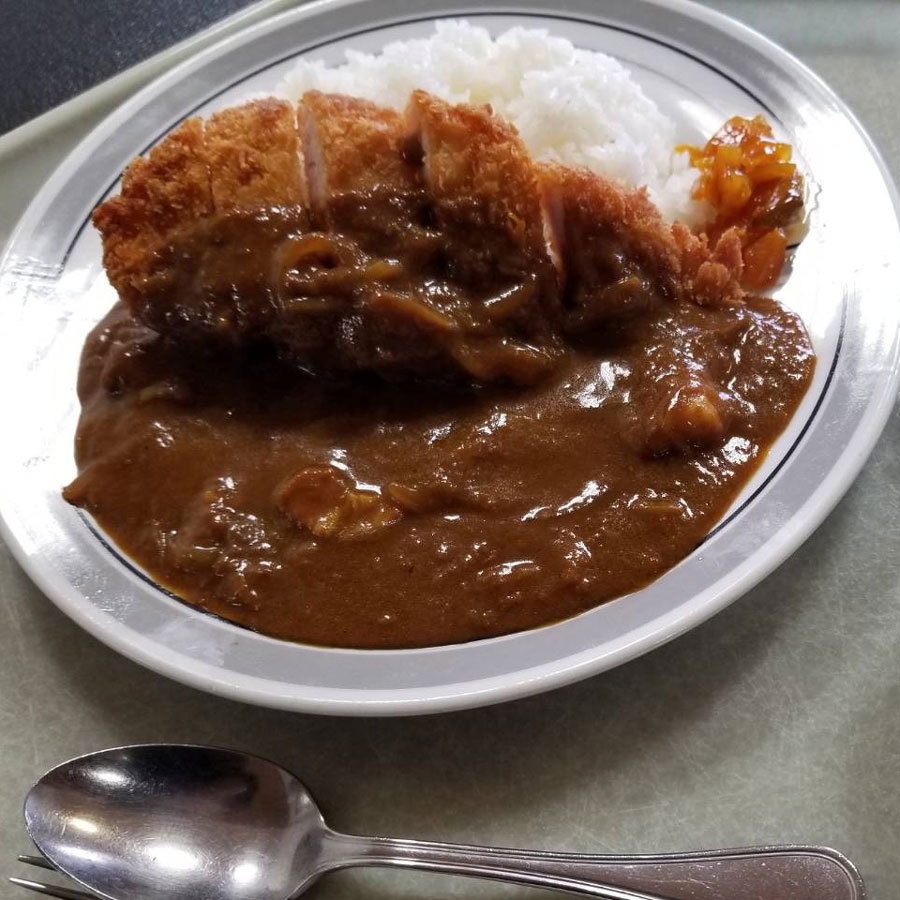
{"x":776,"y":873}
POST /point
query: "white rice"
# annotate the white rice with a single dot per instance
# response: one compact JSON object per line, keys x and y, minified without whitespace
{"x":570,"y":105}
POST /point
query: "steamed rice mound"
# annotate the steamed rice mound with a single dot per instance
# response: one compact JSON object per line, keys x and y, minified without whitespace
{"x":572,"y":106}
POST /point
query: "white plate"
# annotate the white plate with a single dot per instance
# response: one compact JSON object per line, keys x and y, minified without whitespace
{"x":701,"y":67}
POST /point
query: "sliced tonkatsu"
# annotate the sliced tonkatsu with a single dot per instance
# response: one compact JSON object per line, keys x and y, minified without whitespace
{"x":485,"y":191}
{"x":356,"y":238}
{"x":372,"y":248}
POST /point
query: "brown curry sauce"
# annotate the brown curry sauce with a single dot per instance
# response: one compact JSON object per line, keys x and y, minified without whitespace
{"x":445,"y":513}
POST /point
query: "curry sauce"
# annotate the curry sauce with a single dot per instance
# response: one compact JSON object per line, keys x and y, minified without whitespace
{"x":457,"y":512}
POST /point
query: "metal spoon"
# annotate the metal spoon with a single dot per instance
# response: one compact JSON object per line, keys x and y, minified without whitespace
{"x":171,"y":822}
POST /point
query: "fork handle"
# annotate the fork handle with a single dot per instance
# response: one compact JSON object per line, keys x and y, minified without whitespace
{"x":775,"y":873}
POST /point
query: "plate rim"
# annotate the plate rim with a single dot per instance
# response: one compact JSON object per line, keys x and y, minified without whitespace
{"x":524,"y":681}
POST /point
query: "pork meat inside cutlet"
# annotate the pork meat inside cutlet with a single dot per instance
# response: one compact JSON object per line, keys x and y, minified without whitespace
{"x":619,"y":256}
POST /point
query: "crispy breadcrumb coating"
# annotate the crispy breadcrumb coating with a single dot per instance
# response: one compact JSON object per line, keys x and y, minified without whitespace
{"x":252,"y":152}
{"x":160,"y":193}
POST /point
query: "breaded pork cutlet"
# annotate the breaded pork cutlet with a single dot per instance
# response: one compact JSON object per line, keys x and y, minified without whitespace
{"x":368,"y":197}
{"x":367,"y":180}
{"x":621,"y":258}
{"x":487,"y":205}
{"x":356,"y":238}
{"x":618,"y":254}
{"x":255,"y":172}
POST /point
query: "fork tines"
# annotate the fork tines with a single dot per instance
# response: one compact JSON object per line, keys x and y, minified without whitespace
{"x":39,"y":861}
{"x":49,"y":890}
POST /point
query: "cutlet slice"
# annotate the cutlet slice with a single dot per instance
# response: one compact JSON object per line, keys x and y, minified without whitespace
{"x":360,"y":178}
{"x":352,"y":145}
{"x":191,"y":242}
{"x":619,"y":256}
{"x":364,"y":187}
{"x":485,"y":191}
{"x":160,"y":193}
{"x":253,"y":156}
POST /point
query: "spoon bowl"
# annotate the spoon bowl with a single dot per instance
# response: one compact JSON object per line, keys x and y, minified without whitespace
{"x":180,"y":822}
{"x":169,"y":822}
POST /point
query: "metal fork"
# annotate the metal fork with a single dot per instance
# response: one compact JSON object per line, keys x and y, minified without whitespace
{"x":49,"y":890}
